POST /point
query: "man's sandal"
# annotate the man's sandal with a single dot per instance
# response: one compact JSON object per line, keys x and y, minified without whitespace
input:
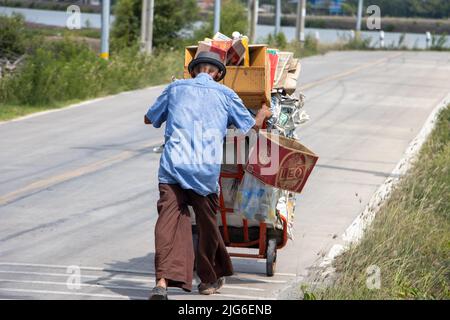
{"x":211,"y":288}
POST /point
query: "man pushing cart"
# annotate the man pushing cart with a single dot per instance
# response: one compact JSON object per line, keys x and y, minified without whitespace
{"x":197,"y":112}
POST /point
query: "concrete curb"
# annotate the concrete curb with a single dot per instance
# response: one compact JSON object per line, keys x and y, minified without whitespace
{"x":323,"y":269}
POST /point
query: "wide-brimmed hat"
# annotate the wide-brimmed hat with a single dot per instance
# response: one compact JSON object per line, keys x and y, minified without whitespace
{"x":211,"y":58}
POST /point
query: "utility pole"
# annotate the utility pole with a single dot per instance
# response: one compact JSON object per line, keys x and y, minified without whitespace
{"x":300,"y":25}
{"x":359,"y":17}
{"x":278,"y":17}
{"x":216,"y":16}
{"x":253,"y":6}
{"x":147,"y":26}
{"x":106,"y":5}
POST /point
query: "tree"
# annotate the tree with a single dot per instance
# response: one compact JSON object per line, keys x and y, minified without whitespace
{"x":233,"y":17}
{"x":125,"y":31}
{"x":170,"y":17}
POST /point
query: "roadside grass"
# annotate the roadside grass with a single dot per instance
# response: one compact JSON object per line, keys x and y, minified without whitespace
{"x":61,"y":72}
{"x":8,"y":111}
{"x":409,"y":239}
{"x":45,"y":30}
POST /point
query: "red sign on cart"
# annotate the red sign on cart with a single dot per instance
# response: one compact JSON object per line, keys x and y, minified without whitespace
{"x":281,"y":162}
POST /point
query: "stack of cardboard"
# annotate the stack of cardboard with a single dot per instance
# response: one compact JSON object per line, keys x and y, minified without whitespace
{"x":252,"y":83}
{"x":233,"y":52}
{"x":287,"y":72}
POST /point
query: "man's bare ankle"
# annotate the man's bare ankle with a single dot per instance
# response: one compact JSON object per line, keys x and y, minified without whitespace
{"x":161,"y":283}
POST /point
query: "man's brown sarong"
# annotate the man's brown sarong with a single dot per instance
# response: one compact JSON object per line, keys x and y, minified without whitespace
{"x":174,"y":252}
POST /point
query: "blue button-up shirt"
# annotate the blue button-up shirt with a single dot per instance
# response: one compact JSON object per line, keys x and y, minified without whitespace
{"x":197,"y":113}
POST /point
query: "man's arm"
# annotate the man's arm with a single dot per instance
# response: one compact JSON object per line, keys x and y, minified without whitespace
{"x":157,"y":113}
{"x":263,"y":114}
{"x":241,"y":117}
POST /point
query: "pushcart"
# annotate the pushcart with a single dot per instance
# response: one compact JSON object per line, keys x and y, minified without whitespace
{"x":266,"y":239}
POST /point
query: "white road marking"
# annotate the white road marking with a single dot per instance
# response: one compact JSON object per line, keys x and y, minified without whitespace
{"x":104,"y":282}
{"x":136,"y":271}
{"x":58,"y":266}
{"x":71,"y":293}
{"x":82,"y":275}
{"x":88,"y":285}
{"x":127,"y":288}
{"x":259,"y":280}
{"x":118,"y":296}
{"x":286,"y":274}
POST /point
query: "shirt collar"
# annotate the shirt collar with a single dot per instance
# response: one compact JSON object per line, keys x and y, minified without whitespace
{"x":204,"y":75}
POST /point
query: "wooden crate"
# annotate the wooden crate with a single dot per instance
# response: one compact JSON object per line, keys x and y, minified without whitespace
{"x":252,"y":84}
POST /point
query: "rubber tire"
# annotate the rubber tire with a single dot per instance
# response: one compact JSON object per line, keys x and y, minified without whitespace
{"x":271,"y":257}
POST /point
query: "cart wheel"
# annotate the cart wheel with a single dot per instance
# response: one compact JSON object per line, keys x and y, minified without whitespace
{"x":271,"y":260}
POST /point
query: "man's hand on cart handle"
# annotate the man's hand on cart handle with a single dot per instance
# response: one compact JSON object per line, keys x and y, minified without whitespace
{"x":263,"y":114}
{"x":146,"y":120}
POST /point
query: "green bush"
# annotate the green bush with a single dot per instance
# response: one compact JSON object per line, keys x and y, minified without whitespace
{"x":438,"y":42}
{"x":12,"y":36}
{"x":316,"y":23}
{"x":278,"y":41}
{"x":68,"y":70}
{"x":358,"y":43}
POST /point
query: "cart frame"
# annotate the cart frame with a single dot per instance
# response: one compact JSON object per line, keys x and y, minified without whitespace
{"x":267,"y":246}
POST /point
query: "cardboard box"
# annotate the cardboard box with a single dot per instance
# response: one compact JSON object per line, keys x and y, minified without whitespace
{"x":284,"y":64}
{"x":220,"y":48}
{"x":236,"y":53}
{"x":281,"y":162}
{"x":251,"y":83}
{"x":290,"y":84}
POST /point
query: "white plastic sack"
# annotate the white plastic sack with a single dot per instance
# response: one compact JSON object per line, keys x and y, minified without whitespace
{"x":256,"y":201}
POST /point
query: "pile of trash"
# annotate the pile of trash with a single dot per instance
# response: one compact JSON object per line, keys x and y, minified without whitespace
{"x":233,"y":51}
{"x":251,"y":198}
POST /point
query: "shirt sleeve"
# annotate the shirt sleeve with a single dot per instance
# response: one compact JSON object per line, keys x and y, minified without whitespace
{"x":157,"y":113}
{"x":238,"y":115}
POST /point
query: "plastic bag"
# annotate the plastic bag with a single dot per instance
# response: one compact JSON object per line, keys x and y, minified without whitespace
{"x":256,"y":201}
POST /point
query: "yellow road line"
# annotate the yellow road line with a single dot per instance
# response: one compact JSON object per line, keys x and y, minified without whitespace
{"x":65,"y":176}
{"x":48,"y":182}
{"x":348,"y":72}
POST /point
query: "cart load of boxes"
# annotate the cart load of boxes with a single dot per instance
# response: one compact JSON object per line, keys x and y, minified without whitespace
{"x":261,"y":172}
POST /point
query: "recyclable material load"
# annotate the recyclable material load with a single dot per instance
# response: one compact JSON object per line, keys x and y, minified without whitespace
{"x":229,"y":187}
{"x":287,"y":113}
{"x":248,"y":66}
{"x":249,"y":195}
{"x":281,"y":162}
{"x":256,"y":201}
{"x":285,"y":70}
{"x":232,"y":51}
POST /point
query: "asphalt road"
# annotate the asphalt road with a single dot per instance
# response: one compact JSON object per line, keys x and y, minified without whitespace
{"x":78,"y":187}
